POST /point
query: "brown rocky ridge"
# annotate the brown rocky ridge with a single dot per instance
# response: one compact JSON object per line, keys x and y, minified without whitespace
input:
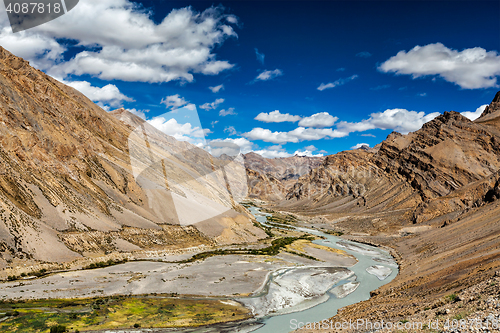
{"x":430,"y":197}
{"x":77,"y":182}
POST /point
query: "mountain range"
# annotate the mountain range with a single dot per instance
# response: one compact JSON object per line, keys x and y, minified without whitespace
{"x":77,"y":181}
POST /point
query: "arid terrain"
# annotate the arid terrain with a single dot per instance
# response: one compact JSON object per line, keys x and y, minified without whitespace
{"x":431,"y":197}
{"x":77,"y":182}
{"x":80,"y":186}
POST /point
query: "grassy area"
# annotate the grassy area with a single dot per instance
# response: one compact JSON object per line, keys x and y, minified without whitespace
{"x":281,"y":218}
{"x":116,"y":313}
{"x":248,"y":204}
{"x":273,"y":249}
{"x":332,"y":232}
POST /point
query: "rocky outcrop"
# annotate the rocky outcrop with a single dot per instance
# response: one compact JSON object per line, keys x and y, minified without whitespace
{"x":493,"y":108}
{"x":69,"y":168}
{"x":270,"y":179}
{"x":427,"y":171}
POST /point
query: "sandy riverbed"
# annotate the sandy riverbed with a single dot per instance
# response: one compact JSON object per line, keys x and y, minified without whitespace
{"x":230,"y":276}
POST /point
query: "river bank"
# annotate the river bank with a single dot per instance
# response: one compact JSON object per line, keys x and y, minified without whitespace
{"x":290,"y":283}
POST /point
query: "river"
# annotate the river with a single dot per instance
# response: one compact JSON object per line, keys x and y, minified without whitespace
{"x":367,"y":256}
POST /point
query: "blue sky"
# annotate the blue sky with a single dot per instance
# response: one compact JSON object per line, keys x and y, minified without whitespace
{"x":275,"y":77}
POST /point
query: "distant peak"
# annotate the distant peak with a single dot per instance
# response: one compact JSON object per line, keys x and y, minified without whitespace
{"x":493,"y":107}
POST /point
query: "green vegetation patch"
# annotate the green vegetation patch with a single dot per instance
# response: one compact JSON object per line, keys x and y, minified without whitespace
{"x":281,"y":218}
{"x":120,"y":312}
{"x":334,"y":233}
{"x":273,"y":249}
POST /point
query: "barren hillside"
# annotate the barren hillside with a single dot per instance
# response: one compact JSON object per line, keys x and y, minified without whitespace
{"x":76,"y":181}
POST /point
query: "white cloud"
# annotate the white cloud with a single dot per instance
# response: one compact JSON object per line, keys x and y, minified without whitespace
{"x":230,"y":130}
{"x":228,"y":112}
{"x":268,"y":75}
{"x":260,"y":56}
{"x":216,"y":89}
{"x":42,"y":51}
{"x":179,"y":46}
{"x":400,"y":120}
{"x":181,"y":132}
{"x":359,"y":145}
{"x":230,"y":147}
{"x":472,"y":68}
{"x":322,"y":119}
{"x":307,"y":153}
{"x":107,"y":95}
{"x":213,"y":123}
{"x":297,"y":135}
{"x":311,"y":148}
{"x":337,"y":83}
{"x":176,"y":101}
{"x":276,"y":117}
{"x":139,"y":113}
{"x":213,"y":105}
{"x":422,"y":94}
{"x":270,"y":153}
{"x":476,"y":114}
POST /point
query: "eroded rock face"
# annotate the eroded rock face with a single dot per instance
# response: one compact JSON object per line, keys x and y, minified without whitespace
{"x":66,"y":170}
{"x":493,"y":107}
{"x":271,"y":179}
{"x":425,"y":171}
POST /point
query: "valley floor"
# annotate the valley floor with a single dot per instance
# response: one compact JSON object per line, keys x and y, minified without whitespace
{"x":439,"y":259}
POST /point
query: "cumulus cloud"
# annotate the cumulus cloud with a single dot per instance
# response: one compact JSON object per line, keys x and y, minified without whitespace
{"x":181,"y":132}
{"x":272,"y":153}
{"x":311,"y":148}
{"x":216,"y":89}
{"x":276,"y":117}
{"x":337,"y":83}
{"x":174,"y":101}
{"x":260,"y":56}
{"x":179,"y":46}
{"x":268,"y":75}
{"x":213,"y":105}
{"x":42,"y":51}
{"x":471,"y":68}
{"x":364,"y":54}
{"x":107,"y":95}
{"x":230,"y":147}
{"x":230,"y":130}
{"x":307,"y":153}
{"x":400,"y":120}
{"x":138,"y":113}
{"x":297,"y":135}
{"x":359,"y":145}
{"x":320,"y":120}
{"x":476,"y":114}
{"x":228,"y":112}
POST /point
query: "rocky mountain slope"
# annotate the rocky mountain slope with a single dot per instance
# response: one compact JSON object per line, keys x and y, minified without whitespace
{"x":270,"y":179}
{"x":78,"y":181}
{"x":430,"y":197}
{"x":443,"y":169}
